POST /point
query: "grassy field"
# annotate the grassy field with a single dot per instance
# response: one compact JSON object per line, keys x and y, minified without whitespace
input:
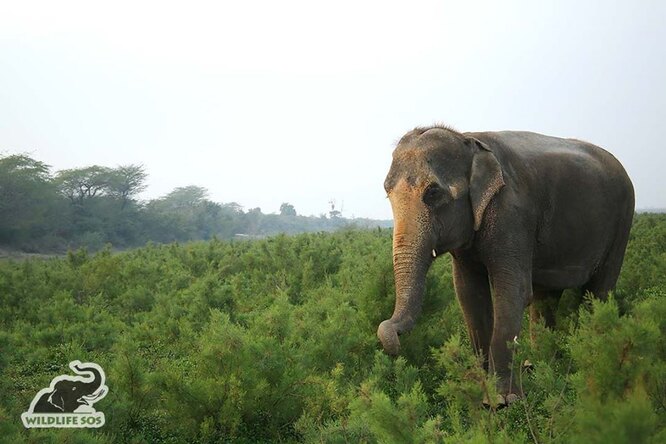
{"x":274,"y":341}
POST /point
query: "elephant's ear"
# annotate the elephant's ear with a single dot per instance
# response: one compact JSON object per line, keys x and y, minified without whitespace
{"x":485,"y":181}
{"x":57,"y":400}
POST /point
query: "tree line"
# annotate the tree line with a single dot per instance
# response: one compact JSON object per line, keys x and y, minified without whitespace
{"x":43,"y":211}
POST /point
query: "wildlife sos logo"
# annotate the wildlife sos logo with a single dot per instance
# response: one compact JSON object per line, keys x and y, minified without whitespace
{"x":68,"y":401}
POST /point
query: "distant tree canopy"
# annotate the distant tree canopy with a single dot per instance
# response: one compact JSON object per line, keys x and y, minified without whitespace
{"x":188,"y":197}
{"x":287,"y":209}
{"x":27,"y":198}
{"x":95,"y":205}
{"x":82,"y":183}
{"x":126,"y":181}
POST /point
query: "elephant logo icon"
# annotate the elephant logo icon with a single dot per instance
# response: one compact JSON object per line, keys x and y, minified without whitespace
{"x":68,"y":400}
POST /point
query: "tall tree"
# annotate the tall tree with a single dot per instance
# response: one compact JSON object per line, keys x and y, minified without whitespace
{"x":287,"y":209}
{"x":185,"y":197}
{"x":233,"y":207}
{"x":26,"y":195}
{"x":125,"y":182}
{"x":83,"y":183}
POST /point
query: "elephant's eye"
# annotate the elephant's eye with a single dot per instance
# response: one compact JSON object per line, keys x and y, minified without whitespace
{"x":433,"y":194}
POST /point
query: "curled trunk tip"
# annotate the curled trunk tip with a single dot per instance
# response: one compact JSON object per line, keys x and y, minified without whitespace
{"x":388,"y":335}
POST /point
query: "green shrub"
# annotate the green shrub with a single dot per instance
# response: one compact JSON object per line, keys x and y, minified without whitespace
{"x":274,"y":341}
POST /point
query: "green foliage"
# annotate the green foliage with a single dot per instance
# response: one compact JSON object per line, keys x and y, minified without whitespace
{"x":645,"y":261}
{"x":28,"y":201}
{"x":274,"y":340}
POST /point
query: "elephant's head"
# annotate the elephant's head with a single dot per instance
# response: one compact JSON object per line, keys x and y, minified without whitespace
{"x":71,"y":393}
{"x":439,"y":185}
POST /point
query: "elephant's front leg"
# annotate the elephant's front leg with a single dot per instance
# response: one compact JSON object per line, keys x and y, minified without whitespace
{"x":473,"y":292}
{"x":511,"y":287}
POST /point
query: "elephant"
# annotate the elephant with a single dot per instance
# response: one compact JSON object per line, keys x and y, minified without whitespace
{"x":523,"y":216}
{"x":66,"y":393}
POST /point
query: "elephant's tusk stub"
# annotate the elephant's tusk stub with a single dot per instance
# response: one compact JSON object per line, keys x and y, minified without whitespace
{"x":434,"y":253}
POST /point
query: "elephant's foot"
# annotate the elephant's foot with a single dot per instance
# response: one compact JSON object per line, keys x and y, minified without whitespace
{"x":501,"y":401}
{"x":508,"y":392}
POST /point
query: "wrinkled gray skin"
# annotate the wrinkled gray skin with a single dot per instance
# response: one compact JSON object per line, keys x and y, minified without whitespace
{"x":523,"y":215}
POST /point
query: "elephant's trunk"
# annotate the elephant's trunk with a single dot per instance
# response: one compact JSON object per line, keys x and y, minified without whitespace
{"x":411,"y":260}
{"x":97,"y":379}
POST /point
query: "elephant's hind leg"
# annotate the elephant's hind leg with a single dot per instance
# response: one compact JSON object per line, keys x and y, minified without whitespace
{"x":605,"y":277}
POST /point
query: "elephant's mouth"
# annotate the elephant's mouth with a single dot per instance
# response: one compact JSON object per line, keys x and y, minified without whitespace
{"x":88,"y":399}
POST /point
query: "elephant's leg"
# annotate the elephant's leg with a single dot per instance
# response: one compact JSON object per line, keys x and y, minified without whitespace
{"x":543,"y":306}
{"x":512,"y":286}
{"x":605,"y":278}
{"x":473,"y":291}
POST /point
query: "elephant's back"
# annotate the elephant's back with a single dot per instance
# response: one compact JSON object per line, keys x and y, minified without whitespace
{"x":560,"y":162}
{"x":533,"y":146}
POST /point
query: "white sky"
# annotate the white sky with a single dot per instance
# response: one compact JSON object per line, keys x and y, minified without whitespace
{"x":263,"y":102}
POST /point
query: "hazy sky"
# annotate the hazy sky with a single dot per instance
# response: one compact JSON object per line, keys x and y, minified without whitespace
{"x":263,"y":102}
